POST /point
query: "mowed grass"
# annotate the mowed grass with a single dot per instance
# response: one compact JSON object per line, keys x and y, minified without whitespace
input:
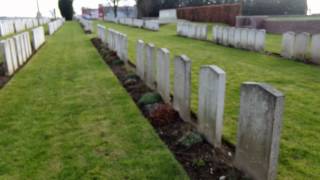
{"x":300,"y":150}
{"x":65,"y":116}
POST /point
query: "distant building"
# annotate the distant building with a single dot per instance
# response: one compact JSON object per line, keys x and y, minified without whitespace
{"x":89,"y":13}
{"x":123,"y":12}
{"x":107,"y":11}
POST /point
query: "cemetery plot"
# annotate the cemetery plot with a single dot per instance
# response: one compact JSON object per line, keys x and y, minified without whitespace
{"x":65,"y":112}
{"x":299,"y":82}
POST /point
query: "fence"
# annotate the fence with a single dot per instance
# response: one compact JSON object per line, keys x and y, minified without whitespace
{"x":261,"y":106}
{"x":213,"y":13}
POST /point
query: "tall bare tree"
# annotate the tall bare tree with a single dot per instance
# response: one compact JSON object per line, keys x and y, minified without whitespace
{"x":115,"y":5}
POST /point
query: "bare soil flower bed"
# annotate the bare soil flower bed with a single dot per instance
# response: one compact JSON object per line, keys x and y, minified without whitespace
{"x":199,"y":159}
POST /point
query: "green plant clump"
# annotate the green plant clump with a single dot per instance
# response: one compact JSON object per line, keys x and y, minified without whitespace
{"x":149,"y":98}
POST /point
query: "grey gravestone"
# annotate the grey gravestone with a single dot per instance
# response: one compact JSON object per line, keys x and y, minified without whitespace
{"x":301,"y":46}
{"x":182,"y":87}
{"x":259,"y":127}
{"x":315,"y":49}
{"x":288,"y":40}
{"x":150,"y":68}
{"x":260,"y":40}
{"x":163,"y":74}
{"x":211,"y":103}
{"x":140,"y":59}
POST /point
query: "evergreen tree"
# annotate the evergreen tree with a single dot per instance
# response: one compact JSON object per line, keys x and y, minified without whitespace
{"x":66,"y":9}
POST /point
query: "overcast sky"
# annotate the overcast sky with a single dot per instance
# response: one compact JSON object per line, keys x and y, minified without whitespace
{"x":28,"y":8}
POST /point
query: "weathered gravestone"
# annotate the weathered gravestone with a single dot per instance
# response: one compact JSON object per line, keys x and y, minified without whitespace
{"x":237,"y":38}
{"x":260,"y":40}
{"x":231,"y":35}
{"x":163,"y":74}
{"x":244,"y":38}
{"x":315,"y":49}
{"x":225,"y":36}
{"x":140,"y":55}
{"x":211,"y":103}
{"x":251,"y":39}
{"x":259,"y":127}
{"x":150,"y":65}
{"x":288,"y":40}
{"x":301,"y":45}
{"x":182,"y":87}
{"x":6,"y":56}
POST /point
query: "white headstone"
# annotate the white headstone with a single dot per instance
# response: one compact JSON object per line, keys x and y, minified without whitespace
{"x":150,"y":68}
{"x":225,"y":36}
{"x":260,"y":40}
{"x":140,"y":59}
{"x":237,"y":38}
{"x":231,"y":35}
{"x":211,"y":103}
{"x":6,"y":54}
{"x":244,"y":38}
{"x":251,"y":39}
{"x":182,"y":87}
{"x":259,"y":127}
{"x":315,"y":49}
{"x":288,"y":40}
{"x":163,"y":74}
{"x":301,"y":46}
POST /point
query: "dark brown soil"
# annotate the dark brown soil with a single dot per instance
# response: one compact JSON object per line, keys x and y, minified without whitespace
{"x":200,"y":160}
{"x":3,"y":78}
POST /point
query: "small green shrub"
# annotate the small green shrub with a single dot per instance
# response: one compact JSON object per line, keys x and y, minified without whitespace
{"x":117,"y":62}
{"x":149,"y":98}
{"x":190,"y":139}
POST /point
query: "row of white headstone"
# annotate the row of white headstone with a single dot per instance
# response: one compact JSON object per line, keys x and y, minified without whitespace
{"x":296,"y":46}
{"x":261,"y":107}
{"x":192,"y":30}
{"x":15,"y":52}
{"x":87,"y":24}
{"x":243,"y":38}
{"x":118,"y":42}
{"x":55,"y":25}
{"x":10,"y":26}
{"x":139,"y":23}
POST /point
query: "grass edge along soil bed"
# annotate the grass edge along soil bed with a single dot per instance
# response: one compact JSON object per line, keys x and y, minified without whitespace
{"x":199,"y":159}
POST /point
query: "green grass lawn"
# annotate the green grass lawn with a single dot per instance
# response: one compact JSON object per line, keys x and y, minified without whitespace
{"x":65,"y":116}
{"x":300,"y":150}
